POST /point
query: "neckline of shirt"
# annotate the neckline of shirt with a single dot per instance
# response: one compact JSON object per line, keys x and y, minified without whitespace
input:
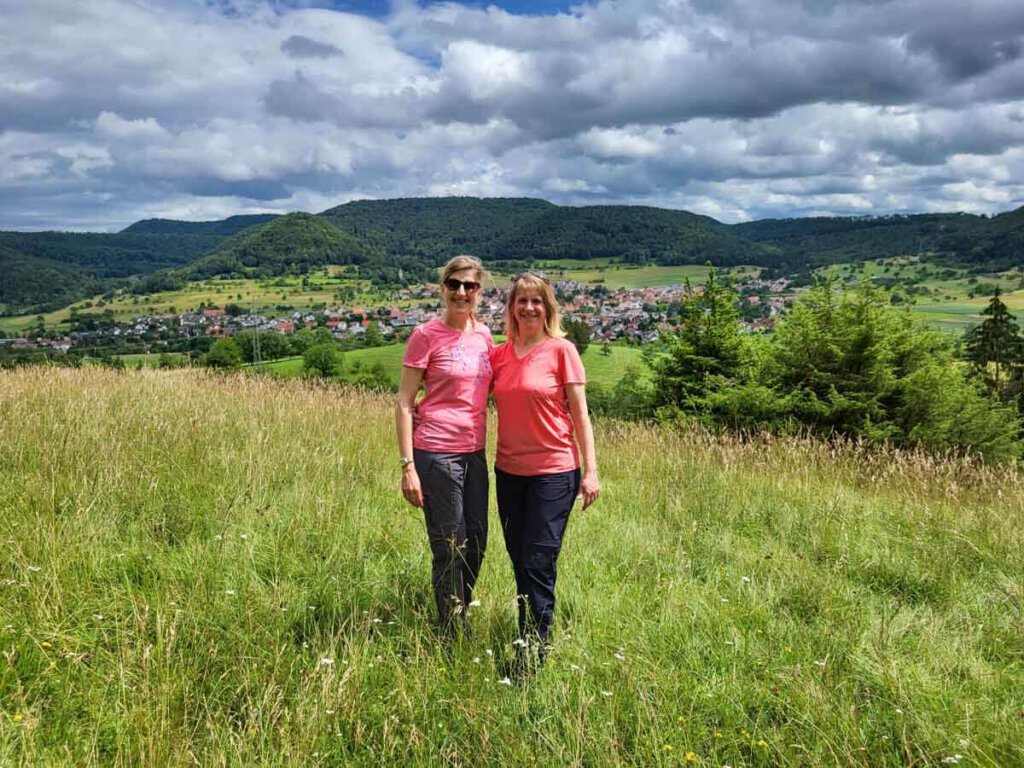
{"x":530,"y":351}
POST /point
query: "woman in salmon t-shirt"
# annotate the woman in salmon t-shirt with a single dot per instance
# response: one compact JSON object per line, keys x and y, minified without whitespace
{"x":542,"y":415}
{"x":442,"y":437}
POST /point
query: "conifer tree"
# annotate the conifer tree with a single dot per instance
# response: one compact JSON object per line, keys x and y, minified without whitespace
{"x":995,"y":349}
{"x":708,"y":353}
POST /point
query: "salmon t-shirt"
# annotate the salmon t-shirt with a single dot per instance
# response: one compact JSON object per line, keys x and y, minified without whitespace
{"x":535,"y":432}
{"x":452,"y":415}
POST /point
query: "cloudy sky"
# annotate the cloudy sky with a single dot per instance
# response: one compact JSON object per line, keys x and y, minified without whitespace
{"x":117,"y":110}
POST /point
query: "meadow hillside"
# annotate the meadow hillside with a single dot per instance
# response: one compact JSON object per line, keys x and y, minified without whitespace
{"x":215,"y":570}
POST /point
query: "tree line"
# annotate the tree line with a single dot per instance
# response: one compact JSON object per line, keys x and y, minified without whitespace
{"x":838,"y":364}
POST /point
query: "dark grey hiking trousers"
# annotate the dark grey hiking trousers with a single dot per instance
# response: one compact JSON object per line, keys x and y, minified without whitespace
{"x":455,"y":489}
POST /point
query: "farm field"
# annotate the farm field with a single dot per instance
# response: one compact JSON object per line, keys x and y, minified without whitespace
{"x":261,"y":295}
{"x":214,"y":570}
{"x":605,"y":370}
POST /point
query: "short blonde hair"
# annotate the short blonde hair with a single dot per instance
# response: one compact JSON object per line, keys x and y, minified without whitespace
{"x":461,"y":262}
{"x":529,"y":281}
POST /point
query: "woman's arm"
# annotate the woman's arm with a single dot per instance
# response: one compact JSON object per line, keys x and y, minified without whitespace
{"x":591,"y":486}
{"x":407,"y":389}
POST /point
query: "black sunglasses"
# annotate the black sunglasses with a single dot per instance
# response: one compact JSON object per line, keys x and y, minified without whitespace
{"x":539,"y":275}
{"x":453,"y":285}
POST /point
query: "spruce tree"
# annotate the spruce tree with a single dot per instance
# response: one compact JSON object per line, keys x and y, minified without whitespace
{"x":995,"y":348}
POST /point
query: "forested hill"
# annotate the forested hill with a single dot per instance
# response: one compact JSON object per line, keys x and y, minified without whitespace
{"x":997,"y":242}
{"x":405,"y":239}
{"x":46,"y":270}
{"x":433,"y":229}
{"x":224,"y":228}
{"x":296,"y":242}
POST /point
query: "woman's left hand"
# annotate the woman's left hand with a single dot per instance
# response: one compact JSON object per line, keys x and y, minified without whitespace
{"x":590,"y":489}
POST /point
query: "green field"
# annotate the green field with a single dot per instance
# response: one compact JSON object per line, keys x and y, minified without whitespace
{"x":947,"y":303}
{"x":619,"y":276}
{"x":261,"y":295}
{"x":219,"y":570}
{"x":601,"y":369}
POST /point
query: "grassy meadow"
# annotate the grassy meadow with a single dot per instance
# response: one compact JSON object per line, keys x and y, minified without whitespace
{"x":219,"y":570}
{"x":605,"y":370}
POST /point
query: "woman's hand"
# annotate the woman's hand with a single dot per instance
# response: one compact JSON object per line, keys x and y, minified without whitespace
{"x":411,"y":488}
{"x":590,"y":488}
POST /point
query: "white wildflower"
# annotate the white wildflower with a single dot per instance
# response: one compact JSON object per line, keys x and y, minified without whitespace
{"x":229,"y":591}
{"x":520,"y":642}
{"x":505,"y":681}
{"x":620,"y":656}
{"x":489,"y":652}
{"x":606,"y":694}
{"x":746,"y":579}
{"x":476,"y":659}
{"x":326,"y":662}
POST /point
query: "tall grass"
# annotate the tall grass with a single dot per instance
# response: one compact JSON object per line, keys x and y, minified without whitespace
{"x":220,"y":571}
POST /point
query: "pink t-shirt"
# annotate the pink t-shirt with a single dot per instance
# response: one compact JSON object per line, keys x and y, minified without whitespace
{"x":452,"y":416}
{"x":535,"y":432}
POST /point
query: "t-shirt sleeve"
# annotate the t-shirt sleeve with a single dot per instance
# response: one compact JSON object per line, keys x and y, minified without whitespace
{"x":417,"y":350}
{"x":571,"y":365}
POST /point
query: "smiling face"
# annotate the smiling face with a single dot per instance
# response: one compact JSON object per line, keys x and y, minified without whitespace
{"x":530,"y":312}
{"x":459,"y":301}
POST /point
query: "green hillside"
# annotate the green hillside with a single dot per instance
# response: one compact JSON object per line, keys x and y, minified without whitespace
{"x":402,"y":241}
{"x":628,"y":233}
{"x":291,"y":244}
{"x":826,"y":240}
{"x":220,"y":571}
{"x":225,"y":227}
{"x":434,"y":229}
{"x":41,"y":271}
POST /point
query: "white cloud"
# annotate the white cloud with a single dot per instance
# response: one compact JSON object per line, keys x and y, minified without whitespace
{"x":113,"y":109}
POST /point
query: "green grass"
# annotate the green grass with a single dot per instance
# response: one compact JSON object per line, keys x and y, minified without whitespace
{"x":263,"y":295}
{"x":151,"y":360}
{"x":220,"y":570}
{"x":601,"y":369}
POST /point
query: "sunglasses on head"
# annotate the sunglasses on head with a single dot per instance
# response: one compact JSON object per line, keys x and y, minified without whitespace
{"x":453,"y":285}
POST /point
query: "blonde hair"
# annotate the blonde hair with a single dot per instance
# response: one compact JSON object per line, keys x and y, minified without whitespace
{"x":459,"y":263}
{"x":552,"y":316}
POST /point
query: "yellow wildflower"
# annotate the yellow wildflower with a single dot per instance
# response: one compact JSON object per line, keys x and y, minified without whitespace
{"x":761,"y":743}
{"x":18,"y":717}
{"x":45,"y":644}
{"x":691,"y":758}
{"x":668,"y":747}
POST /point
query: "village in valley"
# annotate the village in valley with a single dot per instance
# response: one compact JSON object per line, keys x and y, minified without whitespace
{"x":625,"y":315}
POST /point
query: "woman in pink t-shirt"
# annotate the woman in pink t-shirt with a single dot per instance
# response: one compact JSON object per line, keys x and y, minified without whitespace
{"x":442,"y":437}
{"x":543,"y":427}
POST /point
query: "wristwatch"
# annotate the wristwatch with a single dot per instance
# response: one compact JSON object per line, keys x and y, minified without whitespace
{"x":405,"y":462}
